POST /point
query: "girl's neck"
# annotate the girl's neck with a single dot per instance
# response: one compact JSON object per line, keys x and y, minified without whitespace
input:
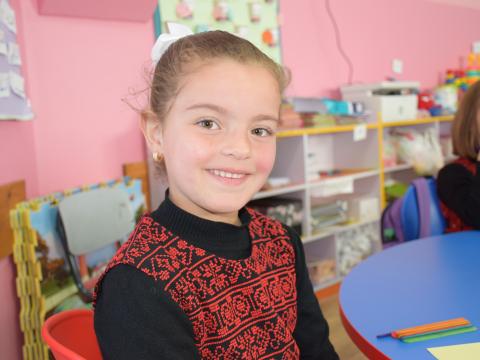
{"x":228,"y":218}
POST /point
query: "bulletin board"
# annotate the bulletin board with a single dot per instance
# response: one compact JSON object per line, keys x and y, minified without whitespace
{"x":14,"y":104}
{"x":254,"y":20}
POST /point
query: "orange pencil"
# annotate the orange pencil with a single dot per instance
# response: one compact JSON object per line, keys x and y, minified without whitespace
{"x":426,"y":328}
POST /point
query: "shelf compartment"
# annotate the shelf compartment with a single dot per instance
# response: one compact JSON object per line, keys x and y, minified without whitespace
{"x":355,"y":245}
{"x":321,"y":261}
{"x":341,"y":185}
{"x":350,"y":174}
{"x":333,"y":230}
{"x":290,"y":160}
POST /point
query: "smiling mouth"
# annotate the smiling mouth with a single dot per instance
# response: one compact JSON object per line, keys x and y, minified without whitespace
{"x":227,"y":174}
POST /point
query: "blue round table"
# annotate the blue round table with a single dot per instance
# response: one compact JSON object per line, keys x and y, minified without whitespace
{"x":418,"y":282}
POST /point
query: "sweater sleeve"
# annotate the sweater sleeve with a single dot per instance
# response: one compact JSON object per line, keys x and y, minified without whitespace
{"x":311,"y":332}
{"x":136,"y":319}
{"x":459,"y":190}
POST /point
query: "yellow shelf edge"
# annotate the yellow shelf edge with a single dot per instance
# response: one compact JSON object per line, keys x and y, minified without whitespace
{"x":427,"y":120}
{"x":346,"y":128}
{"x":322,"y":130}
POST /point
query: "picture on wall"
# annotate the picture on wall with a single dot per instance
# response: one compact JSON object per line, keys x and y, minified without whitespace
{"x":256,"y":21}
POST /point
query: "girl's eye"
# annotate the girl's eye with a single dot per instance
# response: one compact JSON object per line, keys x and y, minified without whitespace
{"x":208,"y":124}
{"x":262,"y":132}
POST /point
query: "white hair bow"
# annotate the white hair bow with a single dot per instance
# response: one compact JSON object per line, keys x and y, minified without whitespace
{"x":175,"y":32}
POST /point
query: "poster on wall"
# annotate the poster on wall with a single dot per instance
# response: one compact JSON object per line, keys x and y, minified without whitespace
{"x":14,"y":104}
{"x":254,"y":20}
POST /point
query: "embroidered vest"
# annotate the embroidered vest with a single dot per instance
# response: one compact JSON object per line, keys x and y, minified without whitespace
{"x":238,"y":308}
{"x":454,"y":223}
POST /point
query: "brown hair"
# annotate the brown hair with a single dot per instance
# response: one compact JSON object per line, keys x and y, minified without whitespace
{"x":465,"y":129}
{"x":205,"y":46}
{"x":191,"y":50}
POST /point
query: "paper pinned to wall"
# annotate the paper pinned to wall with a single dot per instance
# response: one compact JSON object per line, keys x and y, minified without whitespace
{"x":4,"y":85}
{"x":360,"y":132}
{"x":469,"y":351}
{"x":17,"y":84}
{"x":3,"y":44}
{"x":14,"y":104}
{"x":13,"y":54}
{"x":7,"y":16}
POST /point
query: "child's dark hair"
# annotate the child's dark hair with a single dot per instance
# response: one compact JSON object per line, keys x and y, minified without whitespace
{"x":465,"y":127}
{"x":183,"y":55}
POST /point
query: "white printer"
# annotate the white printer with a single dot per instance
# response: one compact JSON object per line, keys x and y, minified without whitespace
{"x":395,"y":100}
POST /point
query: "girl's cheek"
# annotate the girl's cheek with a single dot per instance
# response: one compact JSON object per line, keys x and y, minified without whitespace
{"x":199,"y":148}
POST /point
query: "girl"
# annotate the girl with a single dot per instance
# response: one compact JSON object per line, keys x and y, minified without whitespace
{"x":203,"y":276}
{"x":458,"y":183}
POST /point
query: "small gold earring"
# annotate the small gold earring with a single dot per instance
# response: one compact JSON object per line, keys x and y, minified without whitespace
{"x":157,"y":157}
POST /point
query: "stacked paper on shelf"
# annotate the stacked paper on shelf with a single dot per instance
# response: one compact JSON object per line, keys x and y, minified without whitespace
{"x":330,"y":214}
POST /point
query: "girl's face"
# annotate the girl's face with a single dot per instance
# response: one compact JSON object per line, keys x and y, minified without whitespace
{"x":219,"y":138}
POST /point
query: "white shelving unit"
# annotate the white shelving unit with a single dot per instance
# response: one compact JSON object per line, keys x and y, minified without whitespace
{"x":303,"y":152}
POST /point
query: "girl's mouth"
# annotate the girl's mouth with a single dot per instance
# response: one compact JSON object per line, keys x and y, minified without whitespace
{"x":230,"y":177}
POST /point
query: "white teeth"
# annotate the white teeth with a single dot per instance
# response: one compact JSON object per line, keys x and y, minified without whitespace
{"x":227,"y":174}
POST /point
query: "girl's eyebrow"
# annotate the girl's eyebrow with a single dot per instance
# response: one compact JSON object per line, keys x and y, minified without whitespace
{"x":213,"y":107}
{"x":223,"y":111}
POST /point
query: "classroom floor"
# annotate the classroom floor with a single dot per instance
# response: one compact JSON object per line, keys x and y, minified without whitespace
{"x":345,"y":348}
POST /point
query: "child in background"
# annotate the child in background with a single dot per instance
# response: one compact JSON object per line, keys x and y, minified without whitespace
{"x":203,"y":276}
{"x":458,"y":183}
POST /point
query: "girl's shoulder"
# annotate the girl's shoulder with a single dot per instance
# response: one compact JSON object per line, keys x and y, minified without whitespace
{"x":147,"y":238}
{"x":465,"y":162}
{"x":459,"y":168}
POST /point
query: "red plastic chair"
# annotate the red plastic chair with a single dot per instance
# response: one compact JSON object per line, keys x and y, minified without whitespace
{"x":71,"y":336}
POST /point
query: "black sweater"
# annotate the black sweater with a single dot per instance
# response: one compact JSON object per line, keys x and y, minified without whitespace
{"x":459,"y":190}
{"x":133,"y":320}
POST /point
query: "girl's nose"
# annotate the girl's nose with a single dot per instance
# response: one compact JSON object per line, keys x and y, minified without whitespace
{"x":238,"y":147}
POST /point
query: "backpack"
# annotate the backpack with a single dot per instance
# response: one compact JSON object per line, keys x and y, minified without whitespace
{"x":415,"y":215}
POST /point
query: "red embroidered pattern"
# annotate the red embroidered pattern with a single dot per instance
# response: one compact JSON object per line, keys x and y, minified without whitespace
{"x":454,"y":223}
{"x":239,"y":309}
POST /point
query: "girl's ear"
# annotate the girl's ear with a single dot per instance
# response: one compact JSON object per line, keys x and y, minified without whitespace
{"x":152,"y":131}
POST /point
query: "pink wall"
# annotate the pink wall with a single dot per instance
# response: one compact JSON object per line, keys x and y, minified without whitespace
{"x":17,"y":140}
{"x":428,"y":36}
{"x":78,"y":70}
